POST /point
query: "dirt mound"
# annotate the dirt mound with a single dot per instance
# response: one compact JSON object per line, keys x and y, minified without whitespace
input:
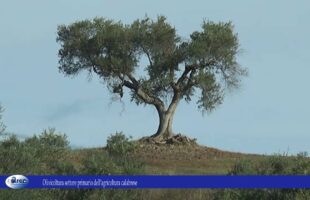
{"x":177,"y":139}
{"x":180,"y":148}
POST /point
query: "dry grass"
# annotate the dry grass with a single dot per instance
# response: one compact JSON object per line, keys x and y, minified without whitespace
{"x":178,"y":159}
{"x":187,"y":159}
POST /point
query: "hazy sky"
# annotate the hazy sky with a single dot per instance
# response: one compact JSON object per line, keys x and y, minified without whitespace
{"x":269,"y":114}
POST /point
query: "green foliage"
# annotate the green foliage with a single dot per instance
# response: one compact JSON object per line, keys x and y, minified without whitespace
{"x":274,"y":165}
{"x":49,"y":153}
{"x":101,"y":43}
{"x":43,"y":154}
{"x":99,"y":163}
{"x":35,"y":155}
{"x":14,"y":156}
{"x":119,"y":145}
{"x":115,"y":160}
{"x":206,"y":62}
{"x":120,"y":148}
{"x":50,"y":139}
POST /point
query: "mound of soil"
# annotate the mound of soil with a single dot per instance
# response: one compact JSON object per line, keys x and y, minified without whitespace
{"x":179,"y":147}
{"x":177,"y":139}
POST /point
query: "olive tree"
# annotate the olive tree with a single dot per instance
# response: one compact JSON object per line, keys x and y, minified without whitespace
{"x":175,"y":68}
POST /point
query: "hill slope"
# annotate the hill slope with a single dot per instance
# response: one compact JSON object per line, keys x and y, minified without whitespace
{"x":188,"y":159}
{"x":171,"y":159}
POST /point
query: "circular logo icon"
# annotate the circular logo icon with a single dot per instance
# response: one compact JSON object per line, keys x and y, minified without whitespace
{"x":16,"y":181}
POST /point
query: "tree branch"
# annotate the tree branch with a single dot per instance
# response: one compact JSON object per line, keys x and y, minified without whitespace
{"x":175,"y":100}
{"x":148,"y":55}
{"x":133,"y":84}
{"x":188,"y":68}
{"x":190,"y":82}
{"x":191,"y":69}
{"x":132,"y":79}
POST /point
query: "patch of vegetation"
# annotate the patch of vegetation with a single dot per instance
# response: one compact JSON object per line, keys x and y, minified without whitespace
{"x":35,"y":155}
{"x":49,"y":153}
{"x":273,"y":165}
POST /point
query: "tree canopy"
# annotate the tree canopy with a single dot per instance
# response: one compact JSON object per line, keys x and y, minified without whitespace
{"x":177,"y":68}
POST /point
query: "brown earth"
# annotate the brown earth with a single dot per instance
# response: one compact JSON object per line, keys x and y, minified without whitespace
{"x":182,"y":155}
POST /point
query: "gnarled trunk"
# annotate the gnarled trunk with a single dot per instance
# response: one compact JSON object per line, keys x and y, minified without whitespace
{"x":165,"y":125}
{"x":164,"y":130}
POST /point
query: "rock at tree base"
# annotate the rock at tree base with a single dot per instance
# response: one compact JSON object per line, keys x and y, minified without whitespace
{"x":177,"y":139}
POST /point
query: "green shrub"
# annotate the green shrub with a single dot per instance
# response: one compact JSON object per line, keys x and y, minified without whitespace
{"x":242,"y":167}
{"x":99,"y":163}
{"x":48,"y":153}
{"x":16,"y":158}
{"x":43,"y":154}
{"x":50,"y":139}
{"x":120,"y":149}
{"x":273,"y":165}
{"x":119,"y":145}
{"x":115,"y":160}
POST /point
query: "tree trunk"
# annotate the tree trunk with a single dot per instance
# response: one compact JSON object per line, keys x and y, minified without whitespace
{"x":164,"y":130}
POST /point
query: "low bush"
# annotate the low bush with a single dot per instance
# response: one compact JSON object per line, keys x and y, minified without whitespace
{"x":119,"y":145}
{"x":50,"y":153}
{"x":273,"y":165}
{"x":36,"y":155}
